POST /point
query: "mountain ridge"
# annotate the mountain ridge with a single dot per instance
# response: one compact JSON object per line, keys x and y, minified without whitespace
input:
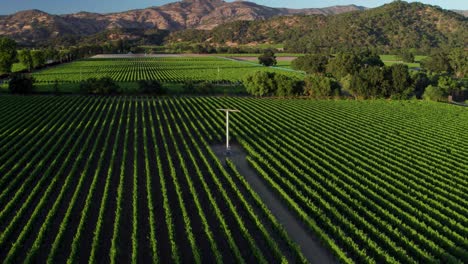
{"x":32,"y":26}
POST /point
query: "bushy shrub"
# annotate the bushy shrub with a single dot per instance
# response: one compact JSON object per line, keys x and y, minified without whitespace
{"x":188,"y":86}
{"x":21,"y":84}
{"x":103,"y":86}
{"x":263,"y":83}
{"x":151,"y":87}
{"x":319,"y":86}
{"x":434,"y":93}
{"x":260,"y":83}
{"x":268,"y":58}
{"x":311,"y":63}
{"x":204,"y":88}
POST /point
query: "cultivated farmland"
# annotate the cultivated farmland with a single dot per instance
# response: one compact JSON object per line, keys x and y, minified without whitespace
{"x":134,"y":179}
{"x":164,"y":69}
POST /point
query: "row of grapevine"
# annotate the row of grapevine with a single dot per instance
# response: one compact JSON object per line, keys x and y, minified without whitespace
{"x":104,"y":179}
{"x":174,"y":70}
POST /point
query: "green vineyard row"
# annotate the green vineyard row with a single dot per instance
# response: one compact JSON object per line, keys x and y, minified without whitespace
{"x":173,"y":70}
{"x":134,"y":179}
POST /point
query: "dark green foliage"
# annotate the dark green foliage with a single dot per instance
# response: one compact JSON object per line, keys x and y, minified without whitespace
{"x":311,"y":63}
{"x":401,"y":81}
{"x":103,"y":86}
{"x":438,"y":63}
{"x":24,"y":57}
{"x":319,"y":86}
{"x":268,"y":58}
{"x":38,"y":58}
{"x":448,"y":84}
{"x":420,"y":81}
{"x":260,"y":83}
{"x":370,"y":82}
{"x":287,"y":86}
{"x":188,"y":86}
{"x":343,"y":64}
{"x":151,"y":87}
{"x":434,"y":93}
{"x":204,"y":88}
{"x":21,"y":84}
{"x":55,"y":87}
{"x":7,"y":54}
{"x":459,"y":62}
{"x":369,"y":58}
{"x":263,"y":83}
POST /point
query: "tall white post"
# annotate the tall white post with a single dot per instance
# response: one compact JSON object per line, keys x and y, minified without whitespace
{"x":227,"y":130}
{"x":228,"y":148}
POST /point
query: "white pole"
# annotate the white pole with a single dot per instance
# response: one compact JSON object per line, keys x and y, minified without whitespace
{"x":227,"y":130}
{"x":228,"y":148}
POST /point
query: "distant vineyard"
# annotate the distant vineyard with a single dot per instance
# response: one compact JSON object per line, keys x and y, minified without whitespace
{"x":134,"y":179}
{"x":165,"y":69}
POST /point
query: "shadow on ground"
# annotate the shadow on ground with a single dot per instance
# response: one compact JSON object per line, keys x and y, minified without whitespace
{"x":310,"y":246}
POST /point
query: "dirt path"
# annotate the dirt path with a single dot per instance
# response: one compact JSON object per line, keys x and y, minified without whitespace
{"x":311,"y":247}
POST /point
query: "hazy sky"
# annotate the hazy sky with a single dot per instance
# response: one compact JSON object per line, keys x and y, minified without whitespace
{"x":105,"y":6}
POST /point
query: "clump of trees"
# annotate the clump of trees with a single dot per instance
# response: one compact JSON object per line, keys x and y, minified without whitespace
{"x":99,"y":86}
{"x":263,"y":83}
{"x":268,"y":58}
{"x":32,"y":59}
{"x":454,"y":62}
{"x":311,"y":63}
{"x":151,"y":87}
{"x":21,"y":84}
{"x":7,"y":54}
{"x":320,"y":86}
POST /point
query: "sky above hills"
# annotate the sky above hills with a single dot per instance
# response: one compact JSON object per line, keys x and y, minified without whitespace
{"x":106,"y":6}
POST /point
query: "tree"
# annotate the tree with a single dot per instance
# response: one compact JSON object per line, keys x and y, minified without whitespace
{"x":420,"y":81}
{"x":311,"y":63}
{"x":459,"y":62}
{"x":343,"y":64}
{"x":267,"y":59}
{"x":447,"y":84}
{"x":204,"y":88}
{"x":287,"y":86}
{"x":438,"y":63}
{"x":7,"y":54}
{"x":260,"y":83}
{"x":38,"y":58}
{"x":24,"y":57}
{"x":401,"y":81}
{"x":370,"y":58}
{"x":370,"y":82}
{"x":21,"y":84}
{"x":103,"y":85}
{"x":319,"y":86}
{"x":151,"y":87}
{"x":434,"y":93}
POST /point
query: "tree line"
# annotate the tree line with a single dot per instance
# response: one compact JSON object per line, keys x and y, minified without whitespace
{"x":363,"y":75}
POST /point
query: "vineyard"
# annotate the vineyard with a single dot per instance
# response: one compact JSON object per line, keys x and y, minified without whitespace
{"x":134,"y":179}
{"x":164,"y":69}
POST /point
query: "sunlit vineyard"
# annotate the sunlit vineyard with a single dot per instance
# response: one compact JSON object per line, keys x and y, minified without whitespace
{"x":164,"y":69}
{"x":134,"y":179}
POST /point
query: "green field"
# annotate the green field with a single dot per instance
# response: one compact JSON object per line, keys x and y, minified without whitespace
{"x":168,"y":70}
{"x":103,"y":179}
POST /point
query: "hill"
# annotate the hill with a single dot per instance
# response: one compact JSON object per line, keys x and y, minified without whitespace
{"x":398,"y":25}
{"x":463,"y":12}
{"x":33,"y":26}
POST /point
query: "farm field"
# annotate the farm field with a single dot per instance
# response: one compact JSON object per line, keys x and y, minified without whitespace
{"x":134,"y":179}
{"x":164,"y":69}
